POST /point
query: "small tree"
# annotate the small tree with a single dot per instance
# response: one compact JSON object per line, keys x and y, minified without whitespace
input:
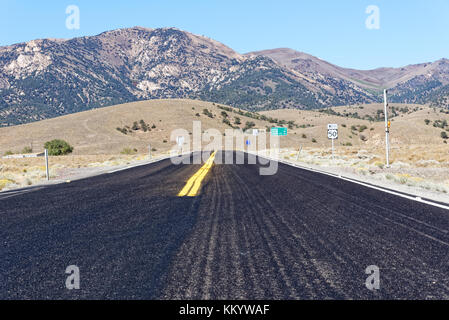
{"x":143,"y":126}
{"x":249,"y":125}
{"x":58,"y":147}
{"x":444,"y":135}
{"x":27,"y":150}
{"x":362,"y":128}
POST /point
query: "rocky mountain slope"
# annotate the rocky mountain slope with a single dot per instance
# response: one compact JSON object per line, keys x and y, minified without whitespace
{"x":50,"y":77}
{"x":419,"y":83}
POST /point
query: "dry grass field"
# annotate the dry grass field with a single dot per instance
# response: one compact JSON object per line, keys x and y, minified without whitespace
{"x":418,"y":149}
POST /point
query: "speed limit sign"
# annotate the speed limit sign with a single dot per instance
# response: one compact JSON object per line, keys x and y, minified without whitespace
{"x":332,"y":131}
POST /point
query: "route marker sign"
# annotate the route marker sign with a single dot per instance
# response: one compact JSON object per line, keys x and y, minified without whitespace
{"x":279,"y":131}
{"x":332,"y":131}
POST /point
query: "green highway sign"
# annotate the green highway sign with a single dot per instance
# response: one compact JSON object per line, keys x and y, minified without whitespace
{"x":279,"y":131}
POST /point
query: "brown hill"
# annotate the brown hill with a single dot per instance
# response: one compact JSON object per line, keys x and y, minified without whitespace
{"x":399,"y":80}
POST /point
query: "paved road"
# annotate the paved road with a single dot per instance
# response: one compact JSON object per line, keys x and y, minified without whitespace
{"x":293,"y":235}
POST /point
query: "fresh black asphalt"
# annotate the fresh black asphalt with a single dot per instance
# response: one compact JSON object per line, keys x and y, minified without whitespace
{"x":293,"y":235}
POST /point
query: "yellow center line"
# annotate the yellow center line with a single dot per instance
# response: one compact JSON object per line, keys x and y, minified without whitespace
{"x":194,"y":183}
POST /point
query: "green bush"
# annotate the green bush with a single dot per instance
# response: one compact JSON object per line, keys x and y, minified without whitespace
{"x":249,"y":125}
{"x":27,"y":150}
{"x":208,"y":113}
{"x":129,"y":151}
{"x":122,"y":130}
{"x":143,"y":125}
{"x":58,"y":147}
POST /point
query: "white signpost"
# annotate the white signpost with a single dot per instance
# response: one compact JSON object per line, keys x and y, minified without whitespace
{"x":387,"y":130}
{"x":332,"y":133}
{"x":47,"y":173}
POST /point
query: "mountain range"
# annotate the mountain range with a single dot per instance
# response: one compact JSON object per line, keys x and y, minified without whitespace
{"x":45,"y":78}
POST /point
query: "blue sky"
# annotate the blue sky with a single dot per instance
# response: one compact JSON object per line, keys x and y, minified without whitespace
{"x":411,"y":31}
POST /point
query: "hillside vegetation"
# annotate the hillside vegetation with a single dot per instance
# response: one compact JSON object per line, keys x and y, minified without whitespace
{"x":121,"y":135}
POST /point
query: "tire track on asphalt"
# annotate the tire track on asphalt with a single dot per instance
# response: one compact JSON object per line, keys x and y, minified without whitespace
{"x":212,"y":241}
{"x":232,"y":271}
{"x":379,"y":248}
{"x":318,"y":240}
{"x":340,"y":194}
{"x":238,"y":245}
{"x":268,"y":235}
{"x":375,"y":246}
{"x":276,"y":221}
{"x":261,"y":271}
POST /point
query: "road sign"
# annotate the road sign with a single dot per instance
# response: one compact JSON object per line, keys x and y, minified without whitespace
{"x":248,"y":142}
{"x":332,"y":134}
{"x":279,"y":131}
{"x":332,"y":131}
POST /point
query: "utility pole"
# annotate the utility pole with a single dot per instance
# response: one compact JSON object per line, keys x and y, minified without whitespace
{"x":387,"y":130}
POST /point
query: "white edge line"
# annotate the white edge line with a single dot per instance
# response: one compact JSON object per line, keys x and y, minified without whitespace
{"x":11,"y":193}
{"x":140,"y":164}
{"x":414,"y":198}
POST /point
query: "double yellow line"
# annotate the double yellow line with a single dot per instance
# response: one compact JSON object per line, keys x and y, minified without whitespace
{"x":194,"y":183}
